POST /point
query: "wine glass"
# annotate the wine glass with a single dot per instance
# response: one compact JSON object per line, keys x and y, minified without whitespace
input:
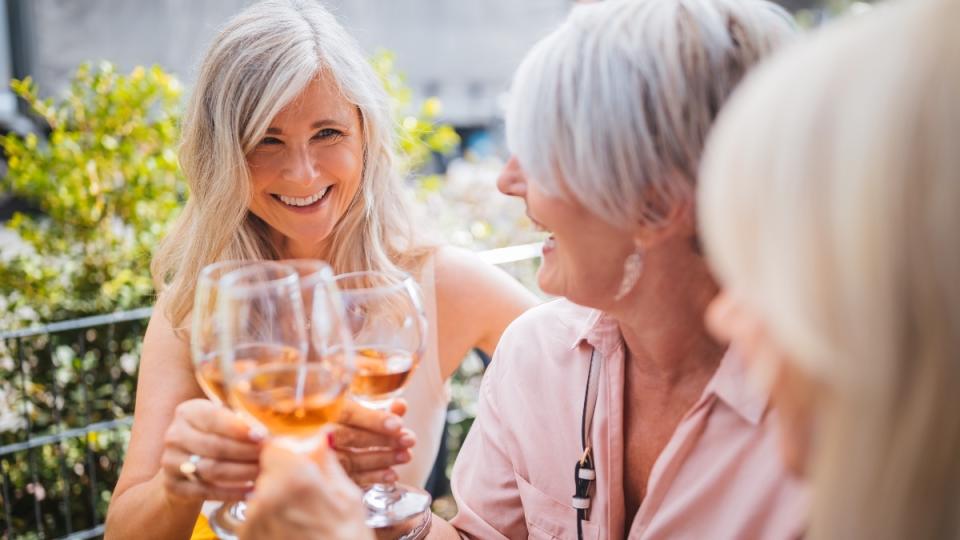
{"x":205,"y":349}
{"x":285,"y":385}
{"x":386,"y":319}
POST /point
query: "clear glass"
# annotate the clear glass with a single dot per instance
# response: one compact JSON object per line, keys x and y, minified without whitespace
{"x":205,"y":348}
{"x":276,"y":377}
{"x":385,"y":315}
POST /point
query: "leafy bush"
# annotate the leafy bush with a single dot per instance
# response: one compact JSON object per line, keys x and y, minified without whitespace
{"x":107,"y":183}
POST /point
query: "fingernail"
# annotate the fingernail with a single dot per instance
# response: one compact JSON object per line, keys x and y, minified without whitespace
{"x":330,"y":441}
{"x":389,"y":476}
{"x":392,"y":424}
{"x":407,"y":441}
{"x":257,"y":434}
{"x":402,"y":457}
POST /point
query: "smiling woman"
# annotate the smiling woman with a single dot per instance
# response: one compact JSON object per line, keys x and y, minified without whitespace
{"x":288,"y":150}
{"x":306,"y":170}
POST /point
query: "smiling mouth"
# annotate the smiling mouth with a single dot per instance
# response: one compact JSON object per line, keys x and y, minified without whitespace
{"x":302,"y":202}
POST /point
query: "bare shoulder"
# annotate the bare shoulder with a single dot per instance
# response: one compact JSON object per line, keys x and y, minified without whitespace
{"x":475,"y":302}
{"x":463,"y":276}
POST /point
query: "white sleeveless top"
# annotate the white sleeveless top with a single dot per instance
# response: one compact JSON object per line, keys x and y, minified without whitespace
{"x":427,"y":394}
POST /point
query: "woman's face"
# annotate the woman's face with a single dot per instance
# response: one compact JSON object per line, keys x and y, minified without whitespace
{"x":308,"y":166}
{"x":792,"y":392}
{"x":583,"y":257}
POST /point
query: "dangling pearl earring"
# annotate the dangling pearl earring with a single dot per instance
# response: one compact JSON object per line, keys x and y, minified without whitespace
{"x":632,"y":268}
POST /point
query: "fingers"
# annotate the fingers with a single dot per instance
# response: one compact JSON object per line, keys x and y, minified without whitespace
{"x":211,"y":471}
{"x":180,"y":487}
{"x":348,"y":437}
{"x":228,"y":455}
{"x":192,"y":441}
{"x":364,"y":462}
{"x":357,"y":416}
{"x":365,"y":479}
{"x":208,"y":417}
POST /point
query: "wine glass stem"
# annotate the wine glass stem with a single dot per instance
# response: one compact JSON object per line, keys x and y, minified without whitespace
{"x":387,"y":492}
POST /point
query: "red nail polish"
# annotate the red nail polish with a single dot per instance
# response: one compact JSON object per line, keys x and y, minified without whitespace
{"x":330,"y":442}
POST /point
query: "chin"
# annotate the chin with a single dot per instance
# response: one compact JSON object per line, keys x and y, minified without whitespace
{"x":548,"y":284}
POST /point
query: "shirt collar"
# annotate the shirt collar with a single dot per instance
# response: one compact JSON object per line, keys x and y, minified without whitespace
{"x":594,"y":328}
{"x":730,"y":383}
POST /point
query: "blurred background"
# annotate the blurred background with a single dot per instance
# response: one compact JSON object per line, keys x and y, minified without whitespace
{"x":90,"y":98}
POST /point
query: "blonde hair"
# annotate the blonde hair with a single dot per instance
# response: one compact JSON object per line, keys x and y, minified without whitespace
{"x":829,"y":201}
{"x":616,"y":103}
{"x":258,"y":63}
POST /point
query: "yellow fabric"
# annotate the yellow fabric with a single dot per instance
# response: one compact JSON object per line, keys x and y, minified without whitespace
{"x":202,"y":530}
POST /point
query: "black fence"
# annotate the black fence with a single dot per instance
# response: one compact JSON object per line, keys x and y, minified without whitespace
{"x":66,"y":405}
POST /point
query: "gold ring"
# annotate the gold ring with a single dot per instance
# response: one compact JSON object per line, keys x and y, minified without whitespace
{"x":189,"y":467}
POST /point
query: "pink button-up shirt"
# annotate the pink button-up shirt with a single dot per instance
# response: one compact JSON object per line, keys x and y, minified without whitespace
{"x":719,"y":476}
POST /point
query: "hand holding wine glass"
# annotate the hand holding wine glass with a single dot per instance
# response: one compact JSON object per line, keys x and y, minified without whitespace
{"x":385,"y":315}
{"x":209,"y":453}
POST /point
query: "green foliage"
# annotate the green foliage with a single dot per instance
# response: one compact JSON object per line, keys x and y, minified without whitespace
{"x":418,"y":133}
{"x":107,"y":184}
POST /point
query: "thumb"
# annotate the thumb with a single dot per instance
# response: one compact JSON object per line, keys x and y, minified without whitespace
{"x":275,"y":458}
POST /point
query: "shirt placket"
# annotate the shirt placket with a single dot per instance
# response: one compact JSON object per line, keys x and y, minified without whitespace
{"x":610,"y":442}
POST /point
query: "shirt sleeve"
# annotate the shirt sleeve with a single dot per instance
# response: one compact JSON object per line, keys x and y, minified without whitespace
{"x":484,"y":484}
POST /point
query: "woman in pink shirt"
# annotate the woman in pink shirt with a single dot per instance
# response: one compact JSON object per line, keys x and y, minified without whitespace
{"x":614,"y":394}
{"x":830,"y":208}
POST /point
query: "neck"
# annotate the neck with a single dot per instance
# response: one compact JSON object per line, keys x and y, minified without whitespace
{"x":662,"y":321}
{"x":288,"y":249}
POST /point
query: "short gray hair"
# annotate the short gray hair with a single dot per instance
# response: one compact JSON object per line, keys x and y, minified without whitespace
{"x":616,"y":103}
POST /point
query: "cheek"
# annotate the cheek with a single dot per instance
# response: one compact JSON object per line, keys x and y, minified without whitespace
{"x":345,"y":165}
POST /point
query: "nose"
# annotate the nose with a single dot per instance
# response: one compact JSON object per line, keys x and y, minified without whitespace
{"x":301,"y":167}
{"x":512,"y":180}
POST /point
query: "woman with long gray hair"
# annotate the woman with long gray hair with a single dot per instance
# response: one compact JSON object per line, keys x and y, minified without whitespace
{"x":288,"y":148}
{"x":614,"y":394}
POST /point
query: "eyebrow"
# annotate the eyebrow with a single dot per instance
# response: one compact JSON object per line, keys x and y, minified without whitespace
{"x":316,"y":125}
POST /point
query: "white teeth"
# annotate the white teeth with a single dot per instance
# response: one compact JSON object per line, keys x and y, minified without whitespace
{"x":303,"y":201}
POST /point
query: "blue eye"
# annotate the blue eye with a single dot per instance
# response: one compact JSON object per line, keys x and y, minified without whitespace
{"x":328,"y":133}
{"x":270,"y":140}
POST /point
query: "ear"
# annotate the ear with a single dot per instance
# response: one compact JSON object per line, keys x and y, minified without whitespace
{"x":679,"y":222}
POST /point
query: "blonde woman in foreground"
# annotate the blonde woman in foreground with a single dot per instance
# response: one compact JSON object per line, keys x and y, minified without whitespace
{"x":288,"y":150}
{"x":830,"y":209}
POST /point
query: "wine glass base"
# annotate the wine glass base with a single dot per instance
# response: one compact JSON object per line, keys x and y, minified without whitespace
{"x":414,"y":528}
{"x":406,"y":509}
{"x":227,"y":519}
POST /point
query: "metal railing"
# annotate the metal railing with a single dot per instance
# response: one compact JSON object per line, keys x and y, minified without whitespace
{"x":66,"y":409}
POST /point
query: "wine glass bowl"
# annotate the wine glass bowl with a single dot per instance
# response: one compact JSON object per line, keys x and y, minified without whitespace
{"x":280,"y":381}
{"x":385,"y":315}
{"x":205,"y":329}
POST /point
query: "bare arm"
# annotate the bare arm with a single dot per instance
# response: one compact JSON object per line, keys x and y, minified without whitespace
{"x":475,"y":303}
